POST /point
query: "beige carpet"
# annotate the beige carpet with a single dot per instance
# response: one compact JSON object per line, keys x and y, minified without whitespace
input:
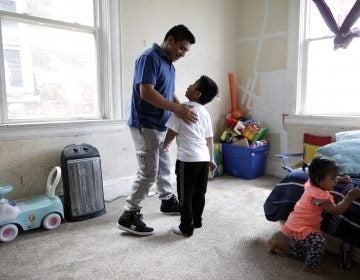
{"x":231,"y":244}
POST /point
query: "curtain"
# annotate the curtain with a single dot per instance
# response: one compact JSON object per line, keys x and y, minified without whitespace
{"x":343,"y":34}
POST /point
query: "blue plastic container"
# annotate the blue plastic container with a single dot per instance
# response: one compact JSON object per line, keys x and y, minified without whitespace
{"x":244,"y":162}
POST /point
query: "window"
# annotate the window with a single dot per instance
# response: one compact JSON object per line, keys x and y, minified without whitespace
{"x":55,"y":58}
{"x":327,"y":79}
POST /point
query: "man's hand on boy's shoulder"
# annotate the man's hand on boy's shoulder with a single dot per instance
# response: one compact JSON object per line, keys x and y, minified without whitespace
{"x":186,"y":113}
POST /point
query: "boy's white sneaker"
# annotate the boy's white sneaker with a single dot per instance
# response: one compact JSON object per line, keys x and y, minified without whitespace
{"x":177,"y":230}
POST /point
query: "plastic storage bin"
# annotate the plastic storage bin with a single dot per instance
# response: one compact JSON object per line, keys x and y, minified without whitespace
{"x":244,"y":162}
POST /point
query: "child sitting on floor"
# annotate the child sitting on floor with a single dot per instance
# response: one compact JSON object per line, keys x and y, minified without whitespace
{"x":301,"y":233}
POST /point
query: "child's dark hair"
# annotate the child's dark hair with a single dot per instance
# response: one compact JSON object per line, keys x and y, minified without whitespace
{"x":208,"y":89}
{"x":180,"y":33}
{"x":319,"y":167}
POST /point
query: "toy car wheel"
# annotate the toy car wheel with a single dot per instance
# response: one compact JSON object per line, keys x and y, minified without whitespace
{"x":8,"y":232}
{"x":51,"y":221}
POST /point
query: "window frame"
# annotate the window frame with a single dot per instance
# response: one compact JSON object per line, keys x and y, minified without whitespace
{"x":107,"y":34}
{"x":297,"y":62}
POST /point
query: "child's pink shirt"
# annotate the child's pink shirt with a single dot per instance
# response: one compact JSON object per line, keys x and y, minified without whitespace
{"x":306,"y":217}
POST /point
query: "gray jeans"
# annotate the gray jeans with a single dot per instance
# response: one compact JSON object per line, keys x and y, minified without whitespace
{"x":154,"y":166}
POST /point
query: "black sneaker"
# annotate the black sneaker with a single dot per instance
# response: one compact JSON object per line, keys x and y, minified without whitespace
{"x":170,"y":206}
{"x":131,"y":221}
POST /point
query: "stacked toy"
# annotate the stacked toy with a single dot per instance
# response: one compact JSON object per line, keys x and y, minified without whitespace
{"x":245,"y":132}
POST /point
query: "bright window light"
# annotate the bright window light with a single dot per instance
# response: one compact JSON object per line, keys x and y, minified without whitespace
{"x":330,"y":77}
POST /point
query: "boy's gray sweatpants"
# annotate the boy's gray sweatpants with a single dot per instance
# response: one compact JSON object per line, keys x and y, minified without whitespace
{"x":154,"y":166}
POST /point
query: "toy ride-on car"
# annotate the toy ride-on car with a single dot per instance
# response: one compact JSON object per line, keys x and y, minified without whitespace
{"x":46,"y":210}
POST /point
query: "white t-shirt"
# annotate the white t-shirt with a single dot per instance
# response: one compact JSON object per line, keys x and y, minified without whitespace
{"x":191,"y":138}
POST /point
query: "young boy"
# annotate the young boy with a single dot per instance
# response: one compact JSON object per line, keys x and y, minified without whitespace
{"x":195,"y":155}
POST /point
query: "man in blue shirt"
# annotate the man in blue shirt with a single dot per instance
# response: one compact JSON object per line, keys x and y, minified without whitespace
{"x":152,"y":101}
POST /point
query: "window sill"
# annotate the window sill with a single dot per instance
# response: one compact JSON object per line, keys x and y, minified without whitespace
{"x":321,"y":121}
{"x":59,"y":129}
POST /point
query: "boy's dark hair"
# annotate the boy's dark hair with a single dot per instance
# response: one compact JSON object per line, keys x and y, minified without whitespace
{"x":180,"y":33}
{"x":319,"y":167}
{"x":208,"y":89}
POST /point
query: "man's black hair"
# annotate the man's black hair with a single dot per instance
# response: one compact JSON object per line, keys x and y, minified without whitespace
{"x":180,"y":33}
{"x":208,"y":89}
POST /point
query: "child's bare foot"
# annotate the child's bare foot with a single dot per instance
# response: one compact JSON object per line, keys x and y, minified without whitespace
{"x":272,"y":246}
{"x":278,"y":241}
{"x":316,"y":269}
{"x":278,"y":245}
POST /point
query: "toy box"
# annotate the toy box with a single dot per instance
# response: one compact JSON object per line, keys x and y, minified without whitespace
{"x":244,"y":162}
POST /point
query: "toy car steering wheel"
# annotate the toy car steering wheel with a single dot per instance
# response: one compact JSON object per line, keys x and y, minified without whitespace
{"x":50,"y":187}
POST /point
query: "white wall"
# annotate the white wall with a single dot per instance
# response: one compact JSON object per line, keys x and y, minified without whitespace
{"x":25,"y":163}
{"x":213,"y":22}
